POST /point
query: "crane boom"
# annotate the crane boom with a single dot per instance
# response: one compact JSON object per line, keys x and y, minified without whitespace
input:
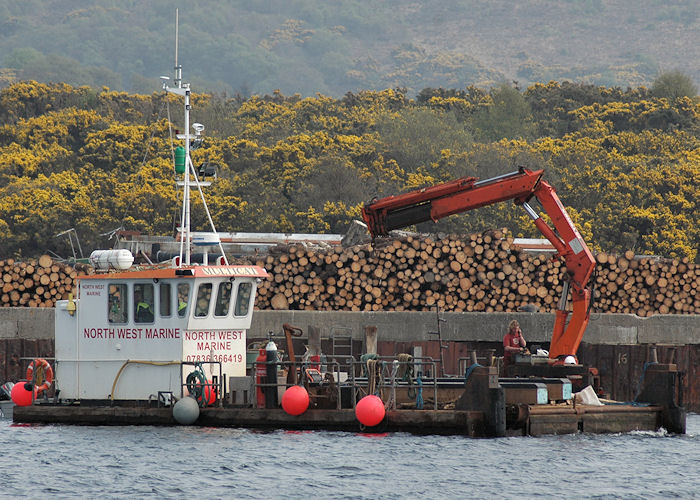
{"x":468,"y":193}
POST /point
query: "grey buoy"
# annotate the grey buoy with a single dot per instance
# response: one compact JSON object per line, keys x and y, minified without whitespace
{"x":186,"y":411}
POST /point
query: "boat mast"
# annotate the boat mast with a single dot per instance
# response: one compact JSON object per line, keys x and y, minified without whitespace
{"x":183,"y":89}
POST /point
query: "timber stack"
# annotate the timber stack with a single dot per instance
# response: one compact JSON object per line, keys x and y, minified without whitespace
{"x":480,"y":272}
{"x":647,"y":285}
{"x":36,"y":283}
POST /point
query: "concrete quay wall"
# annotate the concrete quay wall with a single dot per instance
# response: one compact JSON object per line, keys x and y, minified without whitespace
{"x":603,"y":329}
{"x":26,"y":323}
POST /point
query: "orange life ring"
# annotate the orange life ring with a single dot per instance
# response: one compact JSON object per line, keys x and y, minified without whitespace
{"x":44,"y":375}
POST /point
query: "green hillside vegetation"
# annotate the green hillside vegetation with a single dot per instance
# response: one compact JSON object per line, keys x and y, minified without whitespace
{"x":625,"y":162}
{"x":307,"y":46}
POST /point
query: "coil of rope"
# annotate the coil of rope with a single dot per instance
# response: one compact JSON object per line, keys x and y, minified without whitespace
{"x":196,"y":384}
{"x":364,"y":360}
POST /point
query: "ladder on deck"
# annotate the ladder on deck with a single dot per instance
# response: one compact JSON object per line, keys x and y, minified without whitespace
{"x":341,"y":342}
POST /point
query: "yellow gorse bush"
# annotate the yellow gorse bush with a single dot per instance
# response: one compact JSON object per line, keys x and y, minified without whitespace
{"x":626,"y":164}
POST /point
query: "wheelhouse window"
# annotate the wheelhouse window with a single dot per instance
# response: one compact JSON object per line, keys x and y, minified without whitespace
{"x":203,"y":300}
{"x":143,"y":303}
{"x":165,"y":303}
{"x":223,"y":299}
{"x":117,"y":304}
{"x":183,"y":299}
{"x":243,"y":299}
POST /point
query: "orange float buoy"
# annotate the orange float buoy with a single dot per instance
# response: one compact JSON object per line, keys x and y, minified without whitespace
{"x":295,"y":400}
{"x":22,"y":393}
{"x":209,"y":394}
{"x":370,"y":410}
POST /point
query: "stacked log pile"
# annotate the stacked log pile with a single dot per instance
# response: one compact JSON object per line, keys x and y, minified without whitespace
{"x":479,"y":272}
{"x":36,"y":283}
{"x":647,"y":285}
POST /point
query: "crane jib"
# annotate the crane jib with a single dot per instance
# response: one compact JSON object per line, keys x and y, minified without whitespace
{"x":468,"y":193}
{"x":403,"y":217}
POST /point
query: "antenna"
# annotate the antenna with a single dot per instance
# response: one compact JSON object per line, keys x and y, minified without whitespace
{"x":178,"y":68}
{"x":177,"y":34}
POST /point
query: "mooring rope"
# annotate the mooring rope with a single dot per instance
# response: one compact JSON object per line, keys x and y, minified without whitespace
{"x":406,"y":369}
{"x":364,"y":359}
{"x":374,"y":376}
{"x":406,"y":372}
{"x":391,"y":402}
{"x":39,"y":374}
{"x":419,"y":393}
{"x":640,"y":383}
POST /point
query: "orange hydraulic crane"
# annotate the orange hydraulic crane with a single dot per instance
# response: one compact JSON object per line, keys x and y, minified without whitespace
{"x":435,"y":202}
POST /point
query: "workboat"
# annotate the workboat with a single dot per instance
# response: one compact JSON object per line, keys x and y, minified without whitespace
{"x":139,"y":333}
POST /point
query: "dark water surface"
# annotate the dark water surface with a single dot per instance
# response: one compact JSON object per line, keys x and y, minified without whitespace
{"x":57,"y":461}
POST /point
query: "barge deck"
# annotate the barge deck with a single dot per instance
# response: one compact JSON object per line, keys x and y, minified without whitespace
{"x":539,"y":420}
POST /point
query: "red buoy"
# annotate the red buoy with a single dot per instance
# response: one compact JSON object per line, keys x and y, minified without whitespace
{"x":370,"y":410}
{"x":295,"y":400}
{"x":22,"y":394}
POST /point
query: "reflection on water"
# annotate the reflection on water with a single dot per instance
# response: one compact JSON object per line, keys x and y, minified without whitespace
{"x":174,"y":462}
